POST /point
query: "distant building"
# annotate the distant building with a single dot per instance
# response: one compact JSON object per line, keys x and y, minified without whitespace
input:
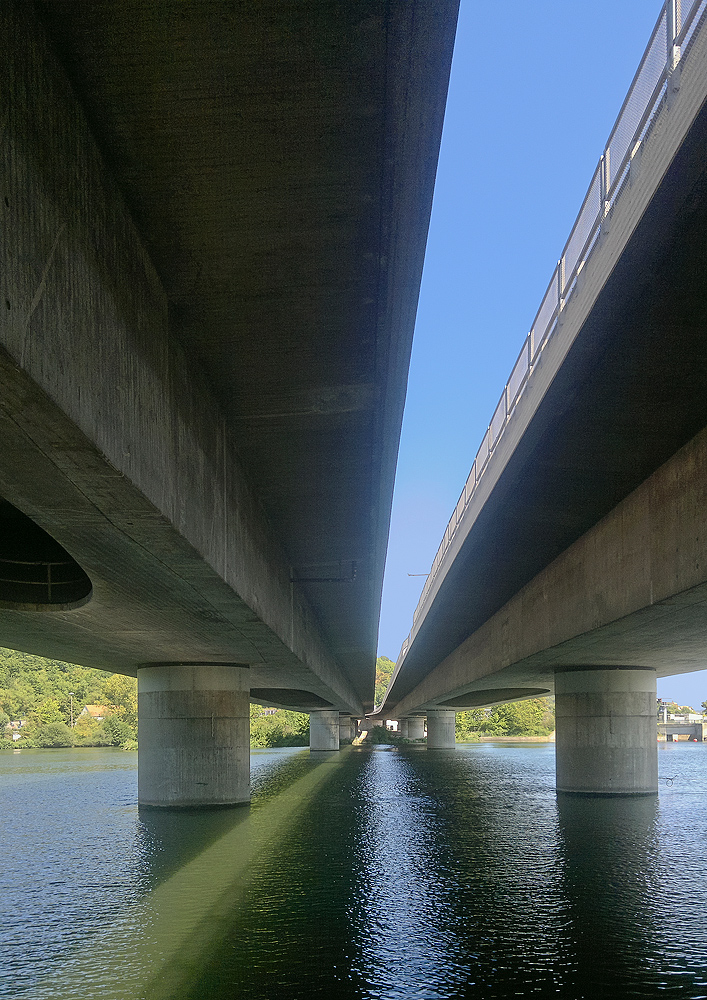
{"x":96,"y":712}
{"x":15,"y":727}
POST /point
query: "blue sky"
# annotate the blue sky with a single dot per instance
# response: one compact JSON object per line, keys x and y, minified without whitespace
{"x":535,"y":90}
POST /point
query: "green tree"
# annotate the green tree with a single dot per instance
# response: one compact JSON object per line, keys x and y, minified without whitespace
{"x":384,"y":671}
{"x":120,"y":692}
{"x":469,"y":724}
{"x":53,"y":734}
{"x":113,"y":731}
{"x":48,"y":711}
{"x":532,"y":717}
{"x":282,"y":728}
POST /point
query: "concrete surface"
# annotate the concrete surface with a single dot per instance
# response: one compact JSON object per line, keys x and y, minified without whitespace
{"x":194,"y":736}
{"x":605,"y":741}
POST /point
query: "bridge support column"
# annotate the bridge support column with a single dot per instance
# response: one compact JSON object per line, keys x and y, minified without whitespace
{"x":441,"y":732}
{"x":194,"y":741}
{"x":346,"y":728}
{"x":324,"y":730}
{"x":416,"y":728}
{"x":403,"y":728}
{"x":606,"y":731}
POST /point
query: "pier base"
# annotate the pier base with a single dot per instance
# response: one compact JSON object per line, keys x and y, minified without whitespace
{"x":194,"y":739}
{"x":606,"y":731}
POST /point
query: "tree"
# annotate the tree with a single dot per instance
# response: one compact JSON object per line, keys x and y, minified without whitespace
{"x":281,"y":728}
{"x":113,"y":731}
{"x":53,"y":734}
{"x":532,"y":717}
{"x":120,"y":692}
{"x":469,"y":724}
{"x":48,"y":711}
{"x":384,"y":671}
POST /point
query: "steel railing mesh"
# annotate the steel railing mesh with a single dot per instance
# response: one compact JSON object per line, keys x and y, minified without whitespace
{"x":585,"y":225}
{"x":546,"y":314}
{"x":691,"y":17}
{"x":518,"y":375}
{"x":646,"y":81}
{"x":634,"y":122}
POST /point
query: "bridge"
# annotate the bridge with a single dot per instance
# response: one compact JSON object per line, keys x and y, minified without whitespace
{"x":213,"y":223}
{"x":575,"y":562}
{"x":692,"y":730}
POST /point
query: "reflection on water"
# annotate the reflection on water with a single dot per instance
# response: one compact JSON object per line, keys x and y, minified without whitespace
{"x":610,"y":852}
{"x":373,"y":873}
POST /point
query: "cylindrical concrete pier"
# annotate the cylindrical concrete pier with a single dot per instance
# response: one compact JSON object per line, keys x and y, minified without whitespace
{"x":441,"y":731}
{"x":416,"y":727}
{"x":194,"y":739}
{"x":606,"y":736}
{"x":403,"y":728}
{"x":324,"y":730}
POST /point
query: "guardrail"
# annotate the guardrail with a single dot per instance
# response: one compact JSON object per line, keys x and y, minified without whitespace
{"x":669,"y":43}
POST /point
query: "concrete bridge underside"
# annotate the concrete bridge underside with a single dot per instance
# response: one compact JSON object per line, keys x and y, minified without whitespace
{"x":212,"y":228}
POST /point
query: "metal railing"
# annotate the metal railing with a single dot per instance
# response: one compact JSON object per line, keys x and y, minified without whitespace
{"x":669,"y":42}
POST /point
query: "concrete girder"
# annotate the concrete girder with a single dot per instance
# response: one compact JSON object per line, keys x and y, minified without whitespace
{"x":113,"y":441}
{"x":632,"y":590}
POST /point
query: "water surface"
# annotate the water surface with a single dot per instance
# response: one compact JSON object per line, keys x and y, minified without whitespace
{"x":371,"y":873}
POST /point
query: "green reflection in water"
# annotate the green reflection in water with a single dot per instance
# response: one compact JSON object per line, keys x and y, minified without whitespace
{"x":162,"y":943}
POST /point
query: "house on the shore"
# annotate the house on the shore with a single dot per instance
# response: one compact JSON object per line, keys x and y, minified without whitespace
{"x":96,"y":712}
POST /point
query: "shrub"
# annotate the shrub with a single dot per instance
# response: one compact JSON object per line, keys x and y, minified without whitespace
{"x":113,"y":731}
{"x":53,"y":734}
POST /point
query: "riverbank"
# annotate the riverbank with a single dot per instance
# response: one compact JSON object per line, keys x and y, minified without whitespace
{"x":550,"y":738}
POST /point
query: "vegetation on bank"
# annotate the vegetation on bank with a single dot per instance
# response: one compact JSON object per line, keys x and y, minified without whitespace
{"x":48,"y":695}
{"x":278,"y":728}
{"x":672,"y":708}
{"x":384,"y":671}
{"x":534,"y":717}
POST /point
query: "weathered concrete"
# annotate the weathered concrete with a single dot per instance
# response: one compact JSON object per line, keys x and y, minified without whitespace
{"x":416,"y":727}
{"x":632,"y":590}
{"x":441,"y":733}
{"x":606,"y":731}
{"x":404,"y":728}
{"x":693,"y":730}
{"x":206,"y":322}
{"x":194,"y":747}
{"x":324,"y":730}
{"x":347,"y":730}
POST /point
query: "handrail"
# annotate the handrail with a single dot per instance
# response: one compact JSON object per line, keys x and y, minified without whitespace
{"x":669,"y":42}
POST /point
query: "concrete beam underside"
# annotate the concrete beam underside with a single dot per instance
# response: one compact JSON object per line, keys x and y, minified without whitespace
{"x":113,"y":442}
{"x":631,"y":591}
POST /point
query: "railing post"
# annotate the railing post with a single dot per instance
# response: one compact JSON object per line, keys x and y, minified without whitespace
{"x":605,"y":184}
{"x":672,"y":26}
{"x":672,"y":30}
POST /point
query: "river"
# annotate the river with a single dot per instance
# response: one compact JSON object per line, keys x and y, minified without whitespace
{"x":371,"y":874}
